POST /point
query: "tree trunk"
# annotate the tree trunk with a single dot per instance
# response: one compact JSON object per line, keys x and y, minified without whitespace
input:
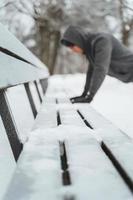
{"x":54,"y":51}
{"x":125,"y":25}
{"x":125,"y":35}
{"x":44,"y":45}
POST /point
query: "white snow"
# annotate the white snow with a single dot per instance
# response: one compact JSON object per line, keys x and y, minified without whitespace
{"x":41,"y":154}
{"x":40,"y":88}
{"x":114,"y":99}
{"x":93,"y":176}
{"x":97,"y":184}
{"x":21,"y":110}
{"x":124,"y":153}
{"x":103,"y":127}
{"x":69,"y":116}
{"x":35,"y":95}
{"x":10,"y":42}
{"x":23,"y":72}
{"x":61,"y":133}
{"x":7,"y":162}
{"x":38,"y":172}
{"x":47,"y":116}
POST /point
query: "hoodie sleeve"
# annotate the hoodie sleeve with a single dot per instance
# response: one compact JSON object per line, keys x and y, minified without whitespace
{"x":103,"y":49}
{"x":88,"y":79}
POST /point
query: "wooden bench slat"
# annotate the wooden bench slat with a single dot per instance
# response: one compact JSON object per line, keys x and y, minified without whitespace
{"x":96,"y":185}
{"x":118,"y":143}
{"x":123,"y":152}
{"x":46,"y":119}
{"x":70,"y":117}
{"x":10,"y":42}
{"x":68,"y":114}
{"x":93,"y":175}
{"x":35,"y":96}
{"x":7,"y":162}
{"x":95,"y":118}
{"x":47,"y":116}
{"x":23,"y":72}
{"x":40,"y":89}
{"x":38,"y":170}
{"x":56,"y":92}
{"x":97,"y":121}
{"x":21,"y":111}
{"x":64,"y":100}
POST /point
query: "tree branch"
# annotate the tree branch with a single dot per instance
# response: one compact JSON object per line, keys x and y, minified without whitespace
{"x":24,"y":10}
{"x":125,"y":6}
{"x":7,"y":4}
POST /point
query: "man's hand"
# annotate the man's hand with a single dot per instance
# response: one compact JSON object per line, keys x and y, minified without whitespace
{"x":82,"y":99}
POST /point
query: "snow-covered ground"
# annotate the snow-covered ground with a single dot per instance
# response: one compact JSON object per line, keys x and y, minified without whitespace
{"x":114,"y":99}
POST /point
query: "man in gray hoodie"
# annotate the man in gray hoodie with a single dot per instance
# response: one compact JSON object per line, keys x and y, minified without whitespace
{"x":106,"y":56}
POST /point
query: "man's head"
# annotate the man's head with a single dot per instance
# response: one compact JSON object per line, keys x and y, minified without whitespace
{"x":72,"y":46}
{"x":72,"y":38}
{"x":76,"y":49}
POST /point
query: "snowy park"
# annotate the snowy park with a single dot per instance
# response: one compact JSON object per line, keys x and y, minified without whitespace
{"x":66,"y":100}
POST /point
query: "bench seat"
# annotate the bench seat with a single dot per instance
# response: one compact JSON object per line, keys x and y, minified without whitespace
{"x":55,"y":149}
{"x":38,"y":171}
{"x":119,"y":144}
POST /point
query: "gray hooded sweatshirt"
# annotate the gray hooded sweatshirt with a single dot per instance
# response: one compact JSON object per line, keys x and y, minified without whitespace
{"x":106,"y":55}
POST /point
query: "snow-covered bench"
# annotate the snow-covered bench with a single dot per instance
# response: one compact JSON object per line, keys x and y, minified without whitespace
{"x":23,"y":81}
{"x":70,"y":152}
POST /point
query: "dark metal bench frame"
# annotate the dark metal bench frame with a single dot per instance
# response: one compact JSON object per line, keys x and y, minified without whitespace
{"x":7,"y":117}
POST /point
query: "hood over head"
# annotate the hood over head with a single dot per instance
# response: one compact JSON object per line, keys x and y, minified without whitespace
{"x":78,"y":36}
{"x":74,"y":35}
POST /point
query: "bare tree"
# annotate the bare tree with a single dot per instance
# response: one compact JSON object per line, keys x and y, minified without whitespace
{"x":48,"y":18}
{"x":41,"y":13}
{"x":126,"y":17}
{"x":6,"y":5}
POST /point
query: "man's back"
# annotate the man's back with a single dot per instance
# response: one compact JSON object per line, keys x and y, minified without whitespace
{"x":121,"y":59}
{"x":121,"y":65}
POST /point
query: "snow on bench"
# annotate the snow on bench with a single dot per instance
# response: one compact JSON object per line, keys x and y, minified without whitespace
{"x":117,"y":144}
{"x":61,"y":157}
{"x":23,"y":82}
{"x":110,"y":137}
{"x":42,"y":170}
{"x":77,"y":158}
{"x":7,"y":161}
{"x":47,"y":116}
{"x":10,"y":44}
{"x":69,"y":115}
{"x":21,"y":111}
{"x":92,"y":173}
{"x":38,"y":170}
{"x":82,"y":164}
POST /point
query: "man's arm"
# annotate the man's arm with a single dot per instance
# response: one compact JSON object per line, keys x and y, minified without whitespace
{"x":103,"y":49}
{"x":86,"y":87}
{"x":88,"y":79}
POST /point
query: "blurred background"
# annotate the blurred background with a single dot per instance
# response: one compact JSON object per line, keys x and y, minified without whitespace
{"x":39,"y":24}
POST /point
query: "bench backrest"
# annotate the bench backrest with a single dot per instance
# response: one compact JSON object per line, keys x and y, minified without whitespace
{"x":23,"y":81}
{"x":17,"y":63}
